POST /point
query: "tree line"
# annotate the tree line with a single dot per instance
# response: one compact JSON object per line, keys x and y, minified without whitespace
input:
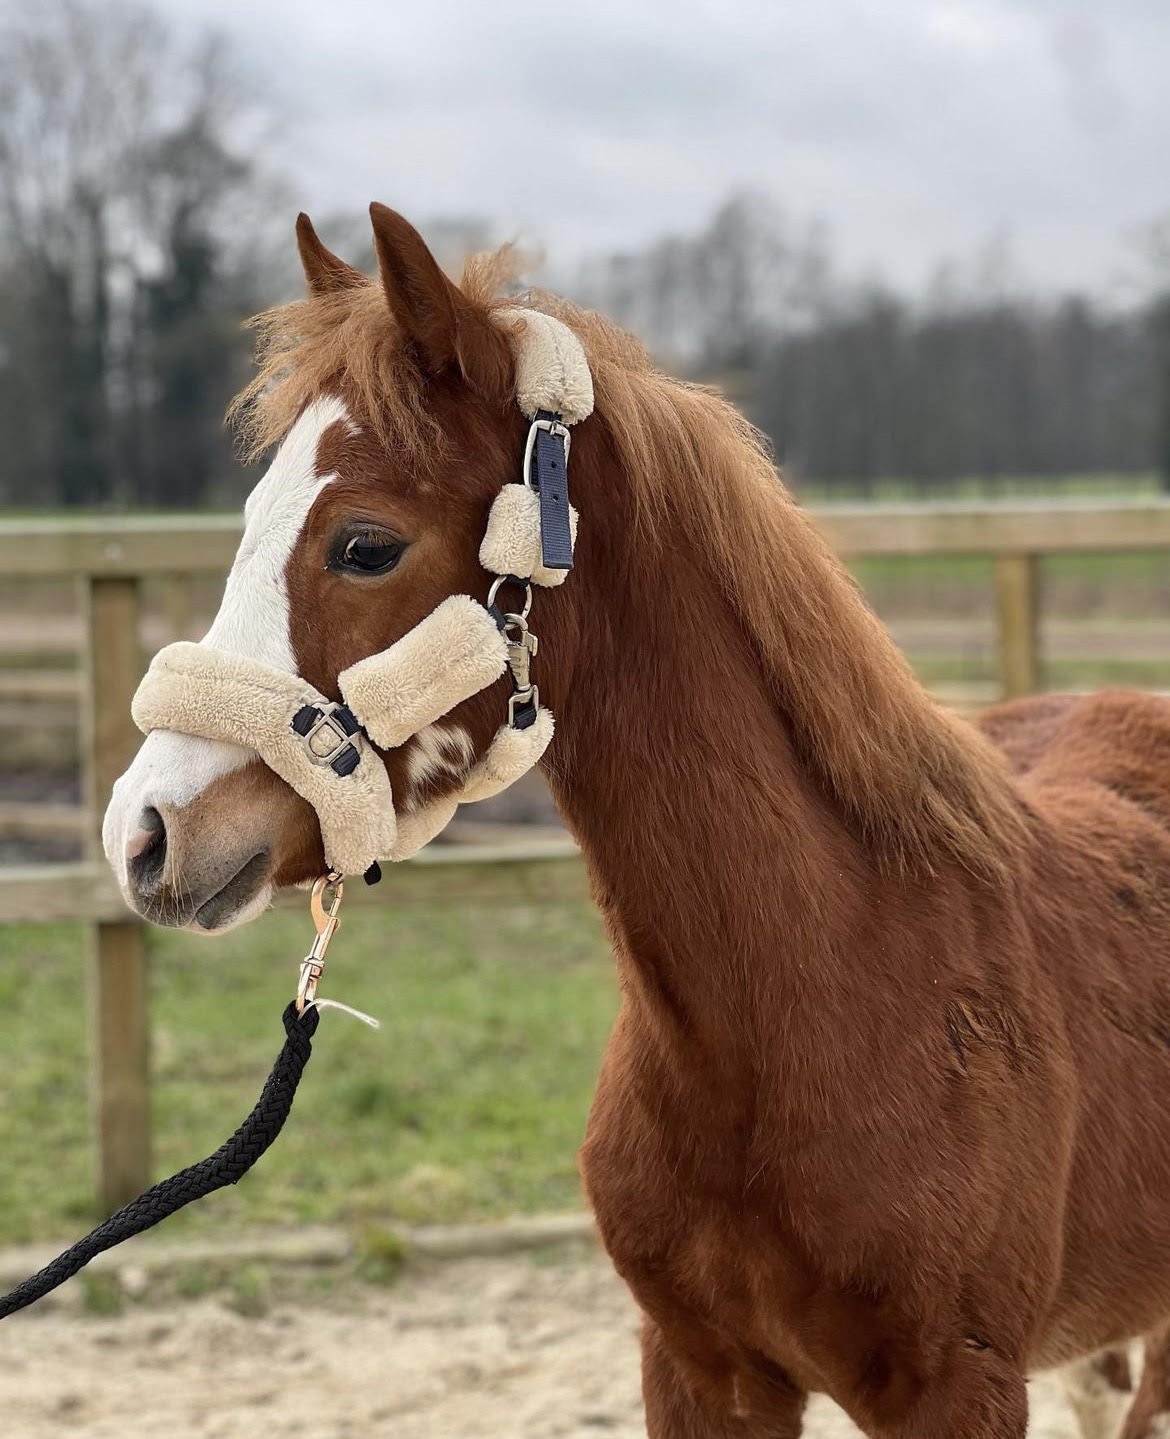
{"x":858,"y":384}
{"x":125,"y":272}
{"x":138,"y":230}
{"x":985,"y":391}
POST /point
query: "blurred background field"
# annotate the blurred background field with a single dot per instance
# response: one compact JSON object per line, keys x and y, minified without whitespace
{"x":469,"y":1103}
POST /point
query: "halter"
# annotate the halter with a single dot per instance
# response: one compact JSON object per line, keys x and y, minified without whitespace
{"x":322,"y":748}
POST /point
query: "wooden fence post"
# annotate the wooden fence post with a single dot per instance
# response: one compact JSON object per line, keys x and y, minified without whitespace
{"x":1018,"y":615}
{"x":121,"y":1083}
{"x":179,"y":606}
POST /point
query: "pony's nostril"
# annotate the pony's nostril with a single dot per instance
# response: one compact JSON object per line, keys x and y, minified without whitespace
{"x":146,"y":849}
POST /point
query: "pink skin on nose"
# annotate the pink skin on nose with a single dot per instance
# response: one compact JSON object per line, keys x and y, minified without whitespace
{"x":140,"y":840}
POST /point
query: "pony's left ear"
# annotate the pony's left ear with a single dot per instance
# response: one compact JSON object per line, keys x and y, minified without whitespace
{"x":444,"y":328}
{"x":324,"y":271}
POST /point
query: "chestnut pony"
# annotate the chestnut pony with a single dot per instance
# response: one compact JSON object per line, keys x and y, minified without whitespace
{"x":884,"y":1111}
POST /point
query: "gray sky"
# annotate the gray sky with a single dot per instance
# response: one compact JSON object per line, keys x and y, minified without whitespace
{"x":914,"y":128}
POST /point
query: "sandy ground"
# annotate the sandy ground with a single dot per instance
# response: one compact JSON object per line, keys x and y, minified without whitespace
{"x":480,"y":1349}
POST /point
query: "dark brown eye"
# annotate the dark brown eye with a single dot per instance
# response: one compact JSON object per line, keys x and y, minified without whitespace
{"x":370,"y":554}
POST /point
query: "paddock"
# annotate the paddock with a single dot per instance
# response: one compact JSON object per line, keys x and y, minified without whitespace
{"x":482,"y":1346}
{"x":110,"y":560}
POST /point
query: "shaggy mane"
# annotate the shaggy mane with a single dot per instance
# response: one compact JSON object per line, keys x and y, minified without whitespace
{"x":912,"y":778}
{"x":304,"y":346}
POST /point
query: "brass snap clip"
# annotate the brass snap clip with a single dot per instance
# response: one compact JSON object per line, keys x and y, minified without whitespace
{"x":327,"y":924}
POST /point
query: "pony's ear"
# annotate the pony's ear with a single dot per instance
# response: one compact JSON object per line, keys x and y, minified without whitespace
{"x":443,"y":327}
{"x":324,"y":271}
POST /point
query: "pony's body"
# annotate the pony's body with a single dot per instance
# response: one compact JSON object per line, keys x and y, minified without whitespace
{"x":850,"y":1182}
{"x":882,"y":1114}
{"x":858,"y":1119}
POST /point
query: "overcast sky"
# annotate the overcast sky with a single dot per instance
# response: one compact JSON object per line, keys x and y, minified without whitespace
{"x":914,"y":128}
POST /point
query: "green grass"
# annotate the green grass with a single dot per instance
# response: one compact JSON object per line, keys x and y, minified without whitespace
{"x":1058,"y":674}
{"x":1120,"y":586}
{"x":470,"y":1102}
{"x":892,"y":489}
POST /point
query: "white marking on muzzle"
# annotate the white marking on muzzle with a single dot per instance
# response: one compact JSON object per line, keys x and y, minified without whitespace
{"x":173,"y":769}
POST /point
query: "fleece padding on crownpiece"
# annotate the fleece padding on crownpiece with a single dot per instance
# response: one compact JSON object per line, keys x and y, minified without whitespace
{"x":511,"y":542}
{"x":448,"y":657}
{"x":205,"y":692}
{"x":552,"y":372}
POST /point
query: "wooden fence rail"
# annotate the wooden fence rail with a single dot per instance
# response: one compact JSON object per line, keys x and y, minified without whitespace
{"x":111,"y":557}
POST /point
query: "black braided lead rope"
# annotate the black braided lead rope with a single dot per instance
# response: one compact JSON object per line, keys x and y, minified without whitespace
{"x":228,"y":1165}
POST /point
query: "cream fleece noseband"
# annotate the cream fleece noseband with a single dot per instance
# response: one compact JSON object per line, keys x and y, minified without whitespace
{"x":321,"y":748}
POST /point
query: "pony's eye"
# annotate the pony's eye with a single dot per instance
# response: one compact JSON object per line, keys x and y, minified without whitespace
{"x":371,"y":554}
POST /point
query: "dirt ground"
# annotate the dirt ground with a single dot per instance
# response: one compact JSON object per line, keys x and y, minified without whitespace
{"x":510,"y":1348}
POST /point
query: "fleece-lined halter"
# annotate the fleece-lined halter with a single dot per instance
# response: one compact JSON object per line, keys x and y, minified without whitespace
{"x":322,"y":749}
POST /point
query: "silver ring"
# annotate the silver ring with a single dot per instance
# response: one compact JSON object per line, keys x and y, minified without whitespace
{"x":501,"y":580}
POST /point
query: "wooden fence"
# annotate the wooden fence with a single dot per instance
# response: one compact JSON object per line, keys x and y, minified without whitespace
{"x":110,"y":558}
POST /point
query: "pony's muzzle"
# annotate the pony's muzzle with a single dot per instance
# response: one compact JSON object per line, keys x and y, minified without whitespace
{"x":188,"y":885}
{"x":200,"y":836}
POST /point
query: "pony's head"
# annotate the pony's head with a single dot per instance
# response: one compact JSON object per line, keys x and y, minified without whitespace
{"x":400,"y":408}
{"x":392,"y":403}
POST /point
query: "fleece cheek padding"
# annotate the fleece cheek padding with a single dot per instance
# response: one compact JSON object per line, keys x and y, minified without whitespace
{"x":511,"y":542}
{"x":448,"y":657}
{"x":512,"y":753}
{"x":418,"y":827}
{"x":204,"y":692}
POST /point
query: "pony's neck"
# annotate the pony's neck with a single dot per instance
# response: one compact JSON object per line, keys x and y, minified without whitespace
{"x":679,"y":779}
{"x":742,"y":751}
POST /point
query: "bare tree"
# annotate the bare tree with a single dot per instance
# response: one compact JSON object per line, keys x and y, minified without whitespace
{"x":1158,"y":251}
{"x":117,"y":171}
{"x":974,"y":380}
{"x":746,"y":276}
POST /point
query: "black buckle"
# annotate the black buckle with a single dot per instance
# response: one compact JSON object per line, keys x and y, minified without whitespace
{"x":331,"y":736}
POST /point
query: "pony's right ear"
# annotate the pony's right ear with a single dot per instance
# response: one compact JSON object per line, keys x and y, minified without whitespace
{"x":440,"y":324}
{"x":324,"y":271}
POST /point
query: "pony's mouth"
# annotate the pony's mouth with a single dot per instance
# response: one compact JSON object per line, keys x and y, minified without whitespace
{"x":246,"y":891}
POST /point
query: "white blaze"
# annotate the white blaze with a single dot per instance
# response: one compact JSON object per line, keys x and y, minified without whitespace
{"x":171,"y":768}
{"x":253,"y":617}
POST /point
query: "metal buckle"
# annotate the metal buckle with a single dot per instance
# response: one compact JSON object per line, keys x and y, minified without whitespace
{"x":554,"y":427}
{"x":522,"y":647}
{"x":521,"y":700}
{"x":327,"y":924}
{"x":328,"y":722}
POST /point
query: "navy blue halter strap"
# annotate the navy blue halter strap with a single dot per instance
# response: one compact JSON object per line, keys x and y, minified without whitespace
{"x":548,"y":476}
